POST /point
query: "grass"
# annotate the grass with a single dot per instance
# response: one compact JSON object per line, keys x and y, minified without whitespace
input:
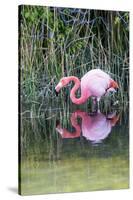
{"x":57,"y":42}
{"x":53,"y":165}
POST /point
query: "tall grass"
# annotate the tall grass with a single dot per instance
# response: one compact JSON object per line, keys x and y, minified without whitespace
{"x":57,"y":42}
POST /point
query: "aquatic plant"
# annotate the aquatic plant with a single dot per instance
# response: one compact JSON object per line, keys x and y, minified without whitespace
{"x":57,"y":42}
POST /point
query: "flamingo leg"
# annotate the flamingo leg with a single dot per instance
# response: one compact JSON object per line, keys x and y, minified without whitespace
{"x":94,"y":105}
{"x":98,"y":104}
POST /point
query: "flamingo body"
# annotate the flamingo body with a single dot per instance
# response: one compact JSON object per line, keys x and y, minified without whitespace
{"x":94,"y":83}
{"x":94,"y":128}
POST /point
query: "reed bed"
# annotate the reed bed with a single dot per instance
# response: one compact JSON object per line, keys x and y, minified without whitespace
{"x":56,"y":42}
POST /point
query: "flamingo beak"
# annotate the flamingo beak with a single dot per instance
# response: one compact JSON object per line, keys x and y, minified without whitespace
{"x":116,"y":85}
{"x":59,"y":129}
{"x":58,"y":87}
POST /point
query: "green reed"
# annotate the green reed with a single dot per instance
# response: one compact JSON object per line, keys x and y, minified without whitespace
{"x":57,"y":42}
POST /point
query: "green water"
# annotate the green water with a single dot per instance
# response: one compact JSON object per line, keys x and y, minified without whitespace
{"x":52,"y":164}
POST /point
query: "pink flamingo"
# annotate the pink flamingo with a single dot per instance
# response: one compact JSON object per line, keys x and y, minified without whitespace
{"x":94,"y":83}
{"x":94,"y":128}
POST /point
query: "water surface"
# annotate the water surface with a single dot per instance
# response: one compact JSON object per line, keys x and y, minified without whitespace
{"x":74,"y":152}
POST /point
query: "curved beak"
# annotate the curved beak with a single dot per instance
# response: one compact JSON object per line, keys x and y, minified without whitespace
{"x":116,"y":85}
{"x":58,"y":87}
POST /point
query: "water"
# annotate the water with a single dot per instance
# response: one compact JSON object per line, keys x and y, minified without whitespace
{"x":73,"y":151}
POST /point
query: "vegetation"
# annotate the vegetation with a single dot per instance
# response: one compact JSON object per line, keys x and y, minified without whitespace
{"x":56,"y":42}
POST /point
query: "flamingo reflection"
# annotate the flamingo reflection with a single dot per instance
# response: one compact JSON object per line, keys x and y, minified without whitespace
{"x":93,"y":127}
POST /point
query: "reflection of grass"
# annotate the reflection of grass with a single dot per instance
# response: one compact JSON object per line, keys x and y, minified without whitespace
{"x":40,"y":136}
{"x":50,"y":164}
{"x":56,"y":42}
{"x":75,"y":175}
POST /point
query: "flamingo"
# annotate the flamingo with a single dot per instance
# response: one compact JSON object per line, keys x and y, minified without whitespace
{"x":94,"y":83}
{"x":94,"y":128}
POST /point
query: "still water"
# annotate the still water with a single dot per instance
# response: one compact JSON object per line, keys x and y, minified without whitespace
{"x":73,"y":151}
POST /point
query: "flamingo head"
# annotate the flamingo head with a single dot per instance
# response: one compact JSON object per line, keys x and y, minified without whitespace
{"x":114,"y":120}
{"x":63,"y":82}
{"x":113,"y":84}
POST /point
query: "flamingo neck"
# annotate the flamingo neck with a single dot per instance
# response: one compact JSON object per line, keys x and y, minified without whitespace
{"x":73,"y":97}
